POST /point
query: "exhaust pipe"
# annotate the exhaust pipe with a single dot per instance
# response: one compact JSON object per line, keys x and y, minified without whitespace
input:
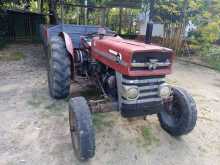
{"x":149,"y":32}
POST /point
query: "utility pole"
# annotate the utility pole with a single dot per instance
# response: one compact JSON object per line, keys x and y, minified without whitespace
{"x":52,"y":10}
{"x":62,"y":17}
{"x":41,"y":6}
{"x":120,"y":19}
{"x":103,"y":16}
{"x":86,"y":11}
{"x":151,"y":14}
{"x":149,"y":29}
{"x":186,"y":4}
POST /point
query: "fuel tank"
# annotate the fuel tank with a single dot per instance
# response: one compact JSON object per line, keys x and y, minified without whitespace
{"x":132,"y":58}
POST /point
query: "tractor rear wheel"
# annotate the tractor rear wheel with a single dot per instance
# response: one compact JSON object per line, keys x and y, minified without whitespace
{"x":59,"y":74}
{"x":81,"y":128}
{"x":179,"y":116}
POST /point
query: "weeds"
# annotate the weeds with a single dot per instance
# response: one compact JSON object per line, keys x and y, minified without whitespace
{"x":35,"y":101}
{"x":147,"y":139}
{"x":101,"y":121}
{"x":213,"y":62}
{"x":38,"y":100}
{"x":56,"y":106}
{"x":13,"y":56}
{"x":213,"y":57}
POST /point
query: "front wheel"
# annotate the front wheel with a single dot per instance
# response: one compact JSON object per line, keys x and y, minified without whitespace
{"x":179,"y":116}
{"x":81,"y":129}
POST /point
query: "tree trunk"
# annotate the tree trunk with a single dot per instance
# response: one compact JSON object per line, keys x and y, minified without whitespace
{"x":41,"y":6}
{"x":120,"y":20}
{"x":52,"y":10}
{"x":151,"y":14}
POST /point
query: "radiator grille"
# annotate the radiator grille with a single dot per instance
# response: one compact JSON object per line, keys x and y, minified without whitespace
{"x":146,"y":57}
{"x":148,"y":88}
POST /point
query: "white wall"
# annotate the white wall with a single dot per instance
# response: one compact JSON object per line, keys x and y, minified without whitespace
{"x":143,"y":18}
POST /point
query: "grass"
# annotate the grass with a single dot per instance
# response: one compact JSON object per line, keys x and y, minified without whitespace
{"x":67,"y":99}
{"x":12,"y":56}
{"x":212,"y":57}
{"x":147,"y":139}
{"x":101,"y":121}
{"x":38,"y":100}
{"x":55,"y":106}
{"x":35,"y":101}
{"x":213,"y":62}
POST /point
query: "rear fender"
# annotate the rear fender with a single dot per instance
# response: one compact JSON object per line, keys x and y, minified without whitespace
{"x":69,"y":47}
{"x":68,"y":43}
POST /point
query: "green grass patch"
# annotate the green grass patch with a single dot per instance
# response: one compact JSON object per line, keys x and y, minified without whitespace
{"x":102,"y":121}
{"x":67,"y":99}
{"x":212,"y":57}
{"x":35,"y":101}
{"x":55,"y":106}
{"x":213,"y":62}
{"x":13,"y":56}
{"x":38,"y":100}
{"x":148,"y":136}
{"x":148,"y":139}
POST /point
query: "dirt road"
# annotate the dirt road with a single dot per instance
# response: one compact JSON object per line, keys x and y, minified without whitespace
{"x":34,"y":128}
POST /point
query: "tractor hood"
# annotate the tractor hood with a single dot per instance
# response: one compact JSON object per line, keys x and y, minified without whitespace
{"x":118,"y":52}
{"x":129,"y":45}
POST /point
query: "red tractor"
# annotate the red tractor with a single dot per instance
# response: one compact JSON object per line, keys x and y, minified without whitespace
{"x":130,"y":74}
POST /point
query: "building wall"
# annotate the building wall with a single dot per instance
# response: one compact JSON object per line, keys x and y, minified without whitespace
{"x":22,"y":25}
{"x":143,"y":19}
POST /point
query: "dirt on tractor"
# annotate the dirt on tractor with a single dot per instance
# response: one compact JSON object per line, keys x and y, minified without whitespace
{"x":34,"y":128}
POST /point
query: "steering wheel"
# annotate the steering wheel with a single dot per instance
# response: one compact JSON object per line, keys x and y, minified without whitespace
{"x":93,"y":34}
{"x":108,"y":33}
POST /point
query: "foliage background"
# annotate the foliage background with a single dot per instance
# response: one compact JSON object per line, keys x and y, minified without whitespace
{"x":204,"y":14}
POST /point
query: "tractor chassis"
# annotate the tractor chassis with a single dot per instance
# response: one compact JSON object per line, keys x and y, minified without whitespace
{"x":102,"y":106}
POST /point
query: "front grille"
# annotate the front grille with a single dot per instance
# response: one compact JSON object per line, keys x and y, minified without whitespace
{"x":145,"y":58}
{"x":148,"y":88}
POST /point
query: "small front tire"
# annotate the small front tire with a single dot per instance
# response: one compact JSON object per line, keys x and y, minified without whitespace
{"x":180,"y":116}
{"x":81,"y":128}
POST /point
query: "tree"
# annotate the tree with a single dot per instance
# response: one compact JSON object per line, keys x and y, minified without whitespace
{"x":206,"y":17}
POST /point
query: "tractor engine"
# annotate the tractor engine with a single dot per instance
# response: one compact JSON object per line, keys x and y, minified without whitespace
{"x":103,"y":75}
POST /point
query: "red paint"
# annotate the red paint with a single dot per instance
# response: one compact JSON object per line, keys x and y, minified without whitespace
{"x":126,"y":48}
{"x":68,"y":42}
{"x":45,"y":32}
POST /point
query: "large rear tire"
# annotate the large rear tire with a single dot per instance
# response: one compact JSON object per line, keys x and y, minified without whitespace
{"x":179,"y":117}
{"x":59,"y":74}
{"x":81,"y":128}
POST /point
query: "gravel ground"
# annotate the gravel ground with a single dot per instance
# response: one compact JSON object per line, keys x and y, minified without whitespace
{"x":34,"y":128}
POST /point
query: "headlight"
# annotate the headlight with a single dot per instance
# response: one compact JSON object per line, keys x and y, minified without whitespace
{"x":164,"y":91}
{"x":130,"y":92}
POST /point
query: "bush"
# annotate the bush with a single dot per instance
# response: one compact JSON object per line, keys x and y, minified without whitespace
{"x":213,"y":57}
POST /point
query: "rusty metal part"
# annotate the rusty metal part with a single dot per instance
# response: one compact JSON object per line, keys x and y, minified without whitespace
{"x":102,"y":106}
